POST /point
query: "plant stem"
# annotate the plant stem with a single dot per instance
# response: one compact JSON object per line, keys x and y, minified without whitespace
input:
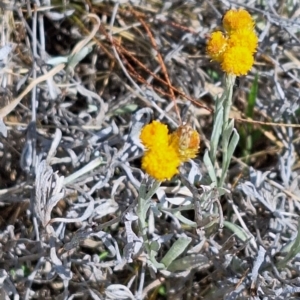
{"x":230,"y":80}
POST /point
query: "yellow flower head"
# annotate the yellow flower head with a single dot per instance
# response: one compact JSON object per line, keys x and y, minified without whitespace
{"x":165,"y":152}
{"x":237,"y":61}
{"x":237,"y":19}
{"x":216,"y":46}
{"x":187,"y":141}
{"x":154,"y":134}
{"x":234,"y":50}
{"x":243,"y":38}
{"x":161,"y":163}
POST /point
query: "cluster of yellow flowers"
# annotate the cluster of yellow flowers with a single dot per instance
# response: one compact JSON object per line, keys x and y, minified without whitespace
{"x":165,"y":152}
{"x":234,"y":49}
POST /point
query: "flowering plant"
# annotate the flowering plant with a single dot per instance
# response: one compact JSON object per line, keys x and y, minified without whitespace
{"x":164,"y":152}
{"x":234,"y":48}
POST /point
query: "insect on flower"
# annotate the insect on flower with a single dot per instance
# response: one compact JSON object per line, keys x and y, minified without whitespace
{"x":187,"y":140}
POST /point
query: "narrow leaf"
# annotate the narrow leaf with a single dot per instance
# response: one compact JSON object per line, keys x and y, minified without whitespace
{"x":230,"y":150}
{"x":215,"y":136}
{"x":237,"y":230}
{"x":185,"y":220}
{"x":76,"y":58}
{"x":177,"y":248}
{"x":233,"y":143}
{"x":210,"y":167}
{"x":189,"y":262}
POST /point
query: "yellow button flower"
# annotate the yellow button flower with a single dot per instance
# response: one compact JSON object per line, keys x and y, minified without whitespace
{"x":237,"y":19}
{"x":165,"y":152}
{"x":237,"y":61}
{"x":161,"y":163}
{"x":154,"y":134}
{"x":235,"y":48}
{"x":243,"y":38}
{"x":216,"y":46}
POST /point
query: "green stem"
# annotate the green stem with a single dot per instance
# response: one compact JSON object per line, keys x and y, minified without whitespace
{"x":230,"y":80}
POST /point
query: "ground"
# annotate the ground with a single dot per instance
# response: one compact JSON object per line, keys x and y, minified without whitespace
{"x":80,"y":218}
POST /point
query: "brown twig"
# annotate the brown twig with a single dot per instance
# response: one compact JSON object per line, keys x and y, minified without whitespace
{"x":161,"y":62}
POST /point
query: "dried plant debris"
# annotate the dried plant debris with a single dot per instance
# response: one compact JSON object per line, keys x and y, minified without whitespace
{"x":80,"y":219}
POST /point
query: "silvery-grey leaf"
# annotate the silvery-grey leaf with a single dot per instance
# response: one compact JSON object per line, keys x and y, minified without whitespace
{"x":60,"y":231}
{"x":118,"y":291}
{"x":257,"y":177}
{"x":73,"y":60}
{"x":130,"y":216}
{"x":54,"y":259}
{"x":78,"y":237}
{"x":106,"y":207}
{"x":102,"y":134}
{"x":3,"y":128}
{"x":134,"y":243}
{"x":210,"y":167}
{"x":56,"y":16}
{"x":48,"y":191}
{"x":176,"y":249}
{"x":87,"y":168}
{"x":26,"y":156}
{"x":87,"y":213}
{"x":194,"y":174}
{"x":217,"y":129}
{"x":249,"y":189}
{"x":63,"y":272}
{"x":3,"y":276}
{"x":57,"y":60}
{"x":54,"y":90}
{"x":129,"y":174}
{"x":4,"y":51}
{"x":74,"y":158}
{"x":161,"y":195}
{"x":164,"y":238}
{"x":90,"y":95}
{"x":22,"y":81}
{"x":54,"y":145}
{"x":29,"y":148}
{"x":184,"y":220}
{"x":179,"y":200}
{"x":139,"y":119}
{"x":117,"y":184}
{"x":7,"y":287}
{"x":107,"y":239}
{"x":257,"y":264}
{"x":189,"y":262}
